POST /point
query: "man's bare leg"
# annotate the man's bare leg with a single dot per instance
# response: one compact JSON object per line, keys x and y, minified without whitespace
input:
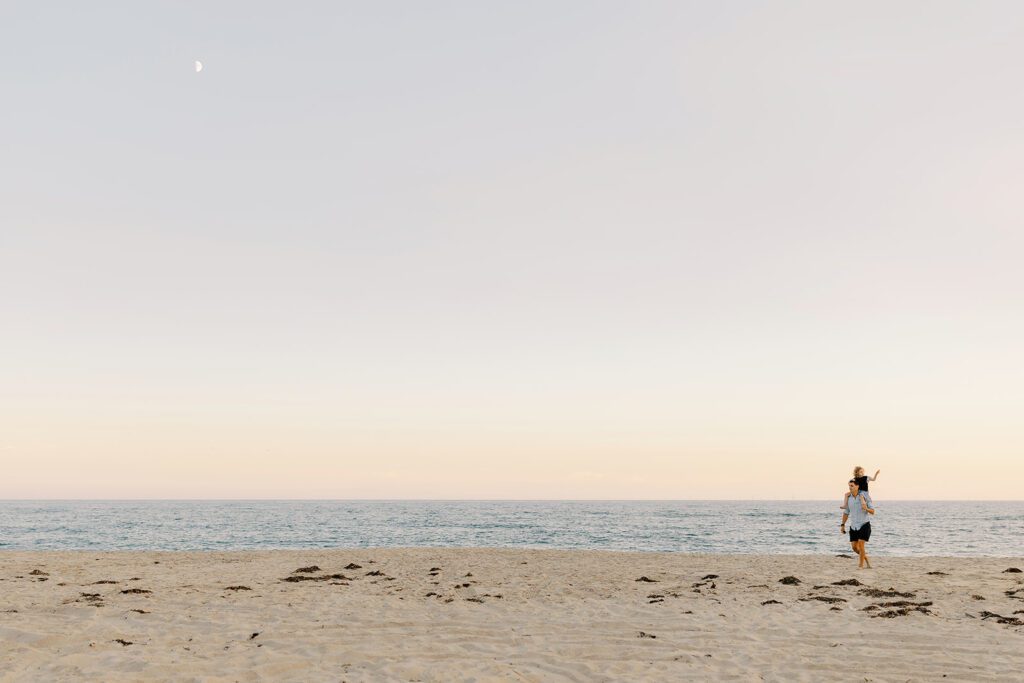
{"x":864,"y":554}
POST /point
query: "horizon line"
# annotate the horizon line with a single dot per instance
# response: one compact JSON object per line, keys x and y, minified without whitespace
{"x":510,"y":500}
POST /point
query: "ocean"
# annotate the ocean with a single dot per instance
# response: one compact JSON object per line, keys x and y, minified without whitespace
{"x":905,"y":528}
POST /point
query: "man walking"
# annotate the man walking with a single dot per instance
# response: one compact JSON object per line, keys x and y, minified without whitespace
{"x":857,"y":509}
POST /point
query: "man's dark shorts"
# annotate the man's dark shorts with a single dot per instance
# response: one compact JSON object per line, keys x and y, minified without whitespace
{"x":861,"y":534}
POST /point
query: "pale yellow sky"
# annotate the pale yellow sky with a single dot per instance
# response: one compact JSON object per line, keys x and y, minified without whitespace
{"x":561,"y":444}
{"x":656,"y":250}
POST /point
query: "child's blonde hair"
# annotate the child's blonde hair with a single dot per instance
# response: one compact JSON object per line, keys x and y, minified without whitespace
{"x":858,"y":471}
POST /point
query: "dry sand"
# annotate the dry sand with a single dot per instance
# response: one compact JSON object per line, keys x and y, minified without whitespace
{"x":520,"y":615}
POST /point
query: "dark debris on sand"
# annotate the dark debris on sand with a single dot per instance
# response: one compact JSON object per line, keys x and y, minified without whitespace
{"x":94,"y":599}
{"x":353,"y":565}
{"x":123,"y":642}
{"x":302,"y":577}
{"x":789,"y":581}
{"x":770,"y":602}
{"x":323,"y":577}
{"x":1000,"y":619}
{"x":135,"y":591}
{"x":901,"y":612}
{"x":823,"y":598}
{"x":1012,"y":570}
{"x":847,"y":582}
{"x":936,"y":574}
{"x":879,"y":593}
{"x":904,"y":603}
{"x":237,"y":588}
{"x":644,"y":579}
{"x":311,"y":569}
{"x":646,"y":635}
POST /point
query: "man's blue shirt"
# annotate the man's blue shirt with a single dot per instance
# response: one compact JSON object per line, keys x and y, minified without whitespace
{"x":858,"y":517}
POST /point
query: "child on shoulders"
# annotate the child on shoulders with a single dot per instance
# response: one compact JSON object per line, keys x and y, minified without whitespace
{"x":862,"y":483}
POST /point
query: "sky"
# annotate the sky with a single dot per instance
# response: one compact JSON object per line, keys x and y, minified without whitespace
{"x":613,"y":250}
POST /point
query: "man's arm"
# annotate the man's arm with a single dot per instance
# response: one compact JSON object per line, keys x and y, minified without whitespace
{"x":842,"y":524}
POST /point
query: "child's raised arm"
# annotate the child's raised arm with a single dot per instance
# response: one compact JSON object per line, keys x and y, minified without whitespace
{"x":876,"y":475}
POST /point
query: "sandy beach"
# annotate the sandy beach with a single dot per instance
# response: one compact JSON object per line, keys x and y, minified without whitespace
{"x":430,"y":614}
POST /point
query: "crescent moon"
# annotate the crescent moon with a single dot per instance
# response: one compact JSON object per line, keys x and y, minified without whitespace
{"x":199,"y":66}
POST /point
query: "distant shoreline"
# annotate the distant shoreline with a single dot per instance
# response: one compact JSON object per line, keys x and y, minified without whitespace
{"x":490,"y":500}
{"x":55,"y":552}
